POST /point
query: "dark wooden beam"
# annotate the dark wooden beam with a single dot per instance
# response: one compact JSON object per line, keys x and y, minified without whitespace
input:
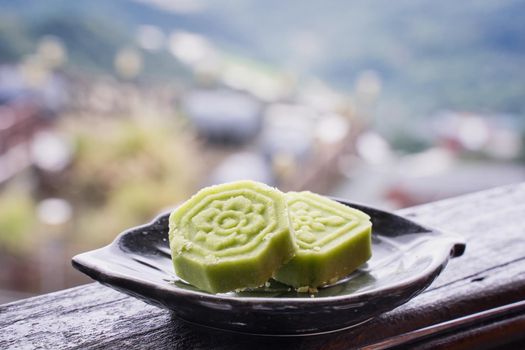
{"x":489,"y":275}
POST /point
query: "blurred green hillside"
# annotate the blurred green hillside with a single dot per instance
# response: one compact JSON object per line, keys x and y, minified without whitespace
{"x":428,"y":55}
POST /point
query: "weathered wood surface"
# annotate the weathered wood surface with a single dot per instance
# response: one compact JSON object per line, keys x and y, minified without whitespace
{"x":491,"y":273}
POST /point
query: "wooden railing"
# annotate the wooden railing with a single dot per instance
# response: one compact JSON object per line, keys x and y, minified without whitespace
{"x":477,"y":302}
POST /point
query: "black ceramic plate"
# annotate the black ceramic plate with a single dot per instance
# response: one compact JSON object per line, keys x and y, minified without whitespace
{"x":407,"y":257}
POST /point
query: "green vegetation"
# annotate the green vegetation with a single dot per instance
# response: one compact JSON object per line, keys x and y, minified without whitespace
{"x":429,"y":55}
{"x":91,"y":41}
{"x":123,"y":174}
{"x":17,"y":219}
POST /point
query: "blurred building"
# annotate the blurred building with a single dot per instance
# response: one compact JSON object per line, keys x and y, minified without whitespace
{"x":496,"y":136}
{"x":25,"y":110}
{"x":223,"y":116}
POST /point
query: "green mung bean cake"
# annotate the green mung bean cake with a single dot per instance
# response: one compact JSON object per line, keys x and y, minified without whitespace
{"x":231,"y":236}
{"x":332,"y":240}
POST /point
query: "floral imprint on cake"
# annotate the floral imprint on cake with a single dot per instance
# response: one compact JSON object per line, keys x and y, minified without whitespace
{"x":225,"y":223}
{"x":309,"y":222}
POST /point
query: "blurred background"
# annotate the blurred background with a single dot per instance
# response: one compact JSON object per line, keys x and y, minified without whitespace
{"x":112,"y":111}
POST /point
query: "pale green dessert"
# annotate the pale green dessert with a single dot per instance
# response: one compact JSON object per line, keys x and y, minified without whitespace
{"x":231,"y":236}
{"x":332,"y":240}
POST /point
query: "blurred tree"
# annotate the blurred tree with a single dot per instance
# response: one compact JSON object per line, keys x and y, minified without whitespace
{"x":17,"y":221}
{"x":124,"y":173}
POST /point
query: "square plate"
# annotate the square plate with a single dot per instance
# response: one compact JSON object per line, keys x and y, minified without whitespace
{"x":407,"y":257}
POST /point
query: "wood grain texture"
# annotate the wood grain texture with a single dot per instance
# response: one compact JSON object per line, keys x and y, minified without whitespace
{"x":491,"y":273}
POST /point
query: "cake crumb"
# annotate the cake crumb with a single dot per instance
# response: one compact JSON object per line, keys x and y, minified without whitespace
{"x":307,"y":289}
{"x":312,"y":290}
{"x":303,"y":289}
{"x":333,"y":280}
